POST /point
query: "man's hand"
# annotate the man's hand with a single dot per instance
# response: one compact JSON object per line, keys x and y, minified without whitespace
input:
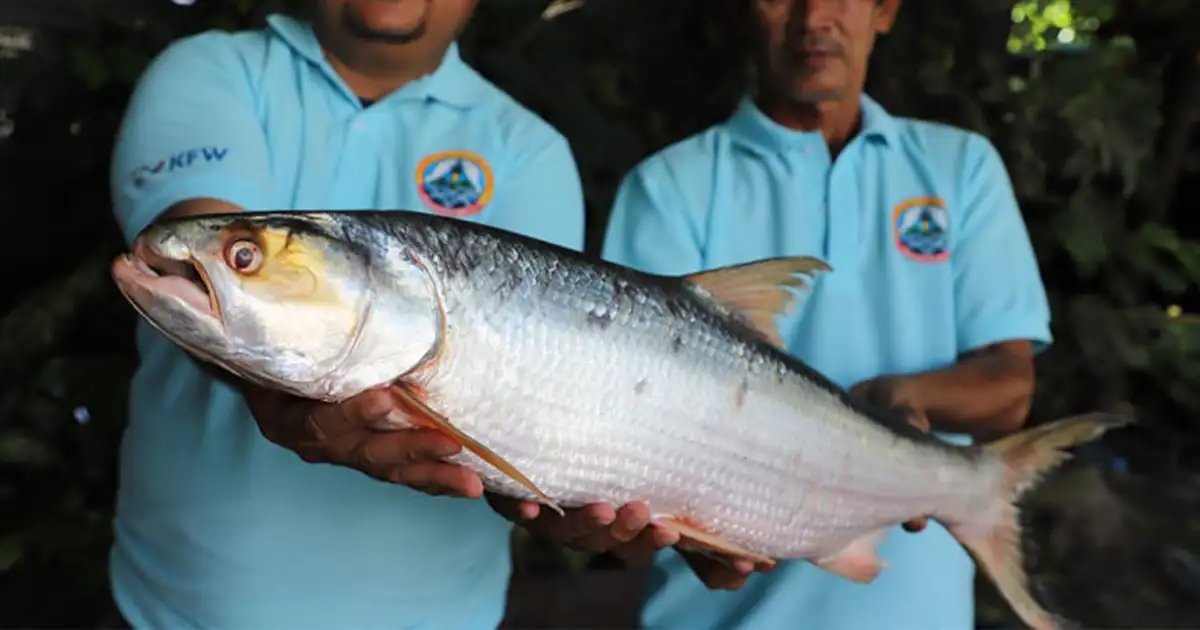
{"x":896,"y":392}
{"x":985,"y":394}
{"x":597,"y":528}
{"x":904,"y":394}
{"x":627,"y":533}
{"x":721,"y":573}
{"x":341,"y":434}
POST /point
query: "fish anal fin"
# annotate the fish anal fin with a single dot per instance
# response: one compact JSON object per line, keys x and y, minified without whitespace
{"x":758,"y":291}
{"x":692,"y":538}
{"x":411,"y":398}
{"x":859,"y":560}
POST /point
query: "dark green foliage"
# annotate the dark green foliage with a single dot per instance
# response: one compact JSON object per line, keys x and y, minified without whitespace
{"x":1101,"y":143}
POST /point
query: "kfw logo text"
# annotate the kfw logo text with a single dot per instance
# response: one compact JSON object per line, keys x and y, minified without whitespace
{"x":179,"y":161}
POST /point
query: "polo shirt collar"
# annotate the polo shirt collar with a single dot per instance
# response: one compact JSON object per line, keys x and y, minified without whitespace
{"x":750,"y":127}
{"x":453,"y":83}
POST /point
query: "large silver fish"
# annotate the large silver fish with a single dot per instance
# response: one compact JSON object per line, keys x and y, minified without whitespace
{"x":570,"y":380}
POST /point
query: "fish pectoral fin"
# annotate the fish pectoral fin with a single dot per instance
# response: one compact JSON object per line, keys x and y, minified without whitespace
{"x":692,"y":538}
{"x":421,"y":413}
{"x":758,"y":291}
{"x":859,"y":560}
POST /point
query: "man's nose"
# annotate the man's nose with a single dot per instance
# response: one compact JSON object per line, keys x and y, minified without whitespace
{"x":815,"y":15}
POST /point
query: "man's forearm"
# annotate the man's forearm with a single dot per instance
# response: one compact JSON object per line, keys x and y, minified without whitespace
{"x":987,"y":393}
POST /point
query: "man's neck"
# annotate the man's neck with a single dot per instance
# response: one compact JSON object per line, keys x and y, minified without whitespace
{"x":837,"y":120}
{"x":372,"y":74}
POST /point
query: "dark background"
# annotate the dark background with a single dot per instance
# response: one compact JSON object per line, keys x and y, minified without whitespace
{"x":1094,"y":105}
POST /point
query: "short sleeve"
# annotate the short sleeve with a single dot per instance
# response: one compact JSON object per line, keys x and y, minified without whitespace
{"x":648,"y":230}
{"x":542,"y":196}
{"x":190,"y":131}
{"x":999,"y":294}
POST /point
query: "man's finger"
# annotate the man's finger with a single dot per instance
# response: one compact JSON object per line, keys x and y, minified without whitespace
{"x":920,"y":420}
{"x":715,"y":574}
{"x":630,"y":521}
{"x":915,"y":417}
{"x":437,"y":478}
{"x":640,"y":551}
{"x":294,"y":422}
{"x":512,"y":509}
{"x":576,"y":524}
{"x":303,"y":422}
{"x":369,"y":407}
{"x":403,"y":447}
{"x":528,"y":510}
{"x":742,"y":566}
{"x":267,"y":407}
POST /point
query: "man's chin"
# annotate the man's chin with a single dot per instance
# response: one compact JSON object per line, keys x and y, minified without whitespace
{"x":812,"y":94}
{"x":363,"y":28}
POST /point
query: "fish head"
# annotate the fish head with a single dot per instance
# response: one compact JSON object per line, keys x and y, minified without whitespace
{"x":290,"y":301}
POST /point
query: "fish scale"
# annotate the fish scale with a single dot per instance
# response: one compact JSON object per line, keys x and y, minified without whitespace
{"x":569,"y":380}
{"x":648,"y":448}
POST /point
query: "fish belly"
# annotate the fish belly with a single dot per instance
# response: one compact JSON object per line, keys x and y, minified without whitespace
{"x":665,"y":415}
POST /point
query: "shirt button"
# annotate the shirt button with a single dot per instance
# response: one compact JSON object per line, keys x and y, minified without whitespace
{"x":821,"y":208}
{"x":807,"y":150}
{"x":358,"y":126}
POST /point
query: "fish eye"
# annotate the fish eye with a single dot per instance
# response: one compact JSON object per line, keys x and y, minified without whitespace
{"x":244,"y":255}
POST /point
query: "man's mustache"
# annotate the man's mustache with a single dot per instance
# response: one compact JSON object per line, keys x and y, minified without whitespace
{"x":814,"y":44}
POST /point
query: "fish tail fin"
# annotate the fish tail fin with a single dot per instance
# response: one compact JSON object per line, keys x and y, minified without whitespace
{"x":996,"y":545}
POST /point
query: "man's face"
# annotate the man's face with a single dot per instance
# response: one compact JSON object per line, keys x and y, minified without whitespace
{"x":422,"y":25}
{"x":817,"y":50}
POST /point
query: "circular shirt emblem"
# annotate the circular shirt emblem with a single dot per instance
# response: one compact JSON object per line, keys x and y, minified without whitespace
{"x":455,"y":183}
{"x":921,"y":229}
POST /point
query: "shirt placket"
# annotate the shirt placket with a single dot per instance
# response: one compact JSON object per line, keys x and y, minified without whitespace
{"x":843,"y":199}
{"x":809,"y":163}
{"x":355,"y":182}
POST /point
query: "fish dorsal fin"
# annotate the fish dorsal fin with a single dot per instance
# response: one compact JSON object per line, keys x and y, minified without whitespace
{"x":758,"y":291}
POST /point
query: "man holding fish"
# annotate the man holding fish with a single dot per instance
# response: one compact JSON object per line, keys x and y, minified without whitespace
{"x":934,"y":304}
{"x":366,"y":104}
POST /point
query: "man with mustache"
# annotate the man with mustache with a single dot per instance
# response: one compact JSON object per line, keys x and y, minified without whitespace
{"x":364,"y":104}
{"x":934,"y":303}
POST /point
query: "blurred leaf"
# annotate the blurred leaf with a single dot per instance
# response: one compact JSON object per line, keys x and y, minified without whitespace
{"x":11,"y":548}
{"x":1162,"y":237}
{"x":88,"y":66}
{"x":1082,"y":234}
{"x":19,"y":448}
{"x":1189,"y":257}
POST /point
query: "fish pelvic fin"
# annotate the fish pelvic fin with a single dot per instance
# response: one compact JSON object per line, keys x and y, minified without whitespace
{"x":996,"y":546}
{"x":758,"y":291}
{"x":859,"y":560}
{"x":693,"y":538}
{"x":421,"y":413}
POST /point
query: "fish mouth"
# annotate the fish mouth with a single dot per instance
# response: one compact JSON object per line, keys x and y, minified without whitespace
{"x":145,"y":270}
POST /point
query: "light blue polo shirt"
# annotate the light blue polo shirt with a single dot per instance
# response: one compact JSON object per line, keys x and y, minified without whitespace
{"x":930,"y":259}
{"x":216,"y":527}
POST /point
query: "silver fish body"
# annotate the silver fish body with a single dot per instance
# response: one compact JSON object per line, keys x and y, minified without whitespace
{"x":570,"y":380}
{"x":603,"y":385}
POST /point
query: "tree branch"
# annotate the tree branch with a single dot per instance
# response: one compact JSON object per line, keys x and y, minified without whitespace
{"x":1179,"y":121}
